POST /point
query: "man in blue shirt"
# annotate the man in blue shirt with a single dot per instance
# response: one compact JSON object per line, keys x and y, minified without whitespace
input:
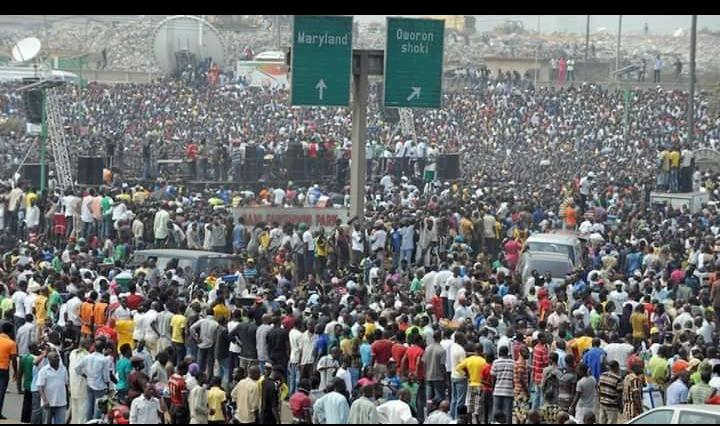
{"x":677,"y":392}
{"x":594,"y":358}
{"x":96,"y":370}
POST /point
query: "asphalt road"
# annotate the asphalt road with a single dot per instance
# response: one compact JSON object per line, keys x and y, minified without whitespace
{"x":13,"y":404}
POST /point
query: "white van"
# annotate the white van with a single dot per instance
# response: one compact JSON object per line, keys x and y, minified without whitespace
{"x":563,"y":243}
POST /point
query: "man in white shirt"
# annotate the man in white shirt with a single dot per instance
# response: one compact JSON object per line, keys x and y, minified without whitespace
{"x":421,"y":153}
{"x":309,"y":253}
{"x":295,"y":337}
{"x":86,"y":216}
{"x":397,"y":411}
{"x":52,"y":380}
{"x":686,"y":161}
{"x":278,"y":197}
{"x":357,"y":244}
{"x":428,"y":281}
{"x":18,"y":299}
{"x":78,"y":383}
{"x":386,"y":182}
{"x":378,"y":240}
{"x":146,"y":409}
{"x":32,"y":217}
{"x":657,"y":68}
{"x":458,"y":380}
{"x":160,"y":226}
{"x":15,"y":201}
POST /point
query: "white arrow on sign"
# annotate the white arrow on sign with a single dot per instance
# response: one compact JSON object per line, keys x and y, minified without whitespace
{"x":321,"y":88}
{"x":415,"y":93}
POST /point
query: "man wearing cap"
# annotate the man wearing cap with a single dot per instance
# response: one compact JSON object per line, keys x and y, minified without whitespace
{"x":677,"y":392}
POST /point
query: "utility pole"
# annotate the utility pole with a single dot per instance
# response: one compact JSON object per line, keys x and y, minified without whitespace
{"x":617,"y":52}
{"x":365,"y":62}
{"x":277,"y":31}
{"x":691,"y":101}
{"x":537,"y":50}
{"x":587,"y":38}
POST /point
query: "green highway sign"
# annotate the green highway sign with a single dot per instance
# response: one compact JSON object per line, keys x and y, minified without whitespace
{"x":321,"y":60}
{"x":414,"y":62}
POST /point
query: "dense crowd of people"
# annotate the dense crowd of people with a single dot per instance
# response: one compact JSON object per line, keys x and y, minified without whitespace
{"x":415,"y":312}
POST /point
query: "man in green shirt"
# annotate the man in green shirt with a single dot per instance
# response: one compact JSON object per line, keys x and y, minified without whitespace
{"x":123,"y":368}
{"x":659,"y":369}
{"x":699,"y":393}
{"x":24,"y":380}
{"x":53,"y":304}
{"x":106,"y":208}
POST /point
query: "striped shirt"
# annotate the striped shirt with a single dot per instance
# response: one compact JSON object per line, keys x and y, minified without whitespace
{"x":539,"y":362}
{"x":521,"y":376}
{"x":503,"y":369}
{"x":610,"y":387}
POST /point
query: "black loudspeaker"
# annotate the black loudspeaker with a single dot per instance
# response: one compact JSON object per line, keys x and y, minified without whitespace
{"x":388,"y":115}
{"x":448,"y":166}
{"x":33,"y":100}
{"x":296,"y":162}
{"x":253,"y":168}
{"x":90,"y":170}
{"x":30,"y":172}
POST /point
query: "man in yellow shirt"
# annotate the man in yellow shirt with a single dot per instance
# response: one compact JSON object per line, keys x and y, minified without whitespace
{"x":220,"y":309}
{"x":639,"y":323}
{"x":216,"y":401}
{"x":40,"y":311}
{"x":125,"y":329}
{"x":472,"y":367}
{"x":674,"y":158}
{"x":178,"y":322}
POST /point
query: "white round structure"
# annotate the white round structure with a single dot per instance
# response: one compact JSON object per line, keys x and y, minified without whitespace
{"x":186,"y":33}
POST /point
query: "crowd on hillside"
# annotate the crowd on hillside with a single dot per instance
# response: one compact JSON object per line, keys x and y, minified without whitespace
{"x":129,"y":45}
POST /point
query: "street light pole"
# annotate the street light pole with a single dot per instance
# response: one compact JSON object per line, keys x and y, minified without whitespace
{"x":587,"y":38}
{"x":691,"y":101}
{"x":359,"y":130}
{"x":617,"y":52}
{"x":537,"y":50}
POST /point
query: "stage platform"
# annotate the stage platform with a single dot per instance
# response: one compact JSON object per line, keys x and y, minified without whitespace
{"x":693,"y":200}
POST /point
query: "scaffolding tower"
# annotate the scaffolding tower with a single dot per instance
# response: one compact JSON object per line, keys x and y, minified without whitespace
{"x":56,"y":136}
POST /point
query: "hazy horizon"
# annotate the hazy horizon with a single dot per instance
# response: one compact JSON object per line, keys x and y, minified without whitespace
{"x":576,"y":23}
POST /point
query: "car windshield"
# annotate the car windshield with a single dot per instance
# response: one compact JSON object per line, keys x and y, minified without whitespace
{"x":557,"y":268}
{"x":545,"y":247}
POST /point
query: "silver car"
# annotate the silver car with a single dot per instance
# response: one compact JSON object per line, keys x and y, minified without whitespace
{"x":680,"y":414}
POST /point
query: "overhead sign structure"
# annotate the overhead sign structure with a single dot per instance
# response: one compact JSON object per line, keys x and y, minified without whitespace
{"x":414,"y":63}
{"x":321,"y":60}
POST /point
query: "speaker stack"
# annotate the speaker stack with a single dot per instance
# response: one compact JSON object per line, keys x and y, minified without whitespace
{"x":448,"y":166}
{"x":30,"y":172}
{"x":253,"y":168}
{"x":90,"y":170}
{"x":296,"y":162}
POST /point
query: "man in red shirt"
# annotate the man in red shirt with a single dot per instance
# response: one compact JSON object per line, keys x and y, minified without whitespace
{"x":191,"y":151}
{"x":108,"y":332}
{"x":178,"y":395}
{"x":398,"y":348}
{"x":540,"y":360}
{"x":300,"y":403}
{"x":382,"y":350}
{"x":133,"y":300}
{"x":412,"y":361}
{"x":437,"y":305}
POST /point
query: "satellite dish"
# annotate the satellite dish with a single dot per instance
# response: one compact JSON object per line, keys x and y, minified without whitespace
{"x":26,"y":49}
{"x":187,"y":33}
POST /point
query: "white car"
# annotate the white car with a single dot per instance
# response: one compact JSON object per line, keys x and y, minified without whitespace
{"x":679,"y":414}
